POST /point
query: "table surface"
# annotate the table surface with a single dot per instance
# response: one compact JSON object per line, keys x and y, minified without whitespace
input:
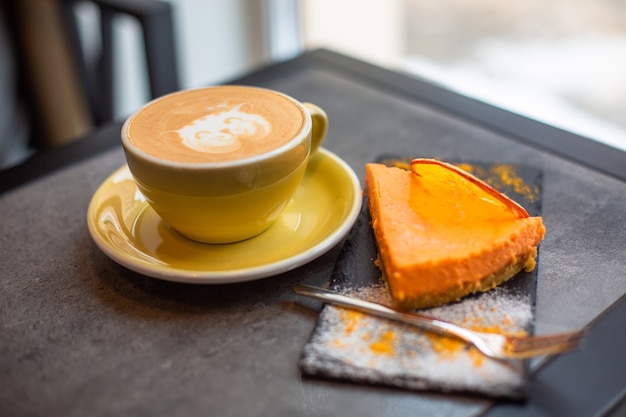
{"x":82,"y":335}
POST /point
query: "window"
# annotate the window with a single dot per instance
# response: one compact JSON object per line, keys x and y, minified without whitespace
{"x":560,"y":62}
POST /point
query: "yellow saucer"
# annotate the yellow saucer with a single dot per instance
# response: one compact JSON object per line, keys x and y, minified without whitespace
{"x":320,"y":215}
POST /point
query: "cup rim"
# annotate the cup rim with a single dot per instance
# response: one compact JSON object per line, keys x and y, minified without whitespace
{"x":292,"y":143}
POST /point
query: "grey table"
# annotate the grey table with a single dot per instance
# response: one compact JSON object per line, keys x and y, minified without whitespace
{"x":81,"y":335}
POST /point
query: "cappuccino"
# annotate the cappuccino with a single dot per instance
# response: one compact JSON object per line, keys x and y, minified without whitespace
{"x":216,"y":124}
{"x":220,"y":164}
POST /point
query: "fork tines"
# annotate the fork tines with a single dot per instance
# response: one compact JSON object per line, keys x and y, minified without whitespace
{"x":548,"y":344}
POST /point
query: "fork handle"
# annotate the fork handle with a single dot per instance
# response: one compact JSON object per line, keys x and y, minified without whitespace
{"x":418,"y":320}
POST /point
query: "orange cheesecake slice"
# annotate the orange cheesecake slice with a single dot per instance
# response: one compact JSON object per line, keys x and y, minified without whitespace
{"x":443,"y":234}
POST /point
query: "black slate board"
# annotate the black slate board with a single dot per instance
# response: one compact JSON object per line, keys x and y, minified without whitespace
{"x":356,"y":270}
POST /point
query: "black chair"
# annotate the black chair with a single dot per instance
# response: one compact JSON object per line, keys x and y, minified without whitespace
{"x":155,"y":18}
{"x":92,"y":78}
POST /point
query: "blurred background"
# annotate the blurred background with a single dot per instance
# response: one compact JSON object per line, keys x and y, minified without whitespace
{"x":561,"y":62}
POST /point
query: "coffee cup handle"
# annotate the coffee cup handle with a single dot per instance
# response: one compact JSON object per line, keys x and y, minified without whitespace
{"x":319,"y":126}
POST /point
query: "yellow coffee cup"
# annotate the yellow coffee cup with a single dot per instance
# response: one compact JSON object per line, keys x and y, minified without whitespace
{"x":219,"y":164}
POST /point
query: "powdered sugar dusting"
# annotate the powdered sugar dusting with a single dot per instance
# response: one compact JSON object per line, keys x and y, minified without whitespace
{"x":369,"y":349}
{"x":510,"y":312}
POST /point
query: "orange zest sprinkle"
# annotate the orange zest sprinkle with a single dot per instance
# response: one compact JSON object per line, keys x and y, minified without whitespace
{"x":350,"y":319}
{"x":384,"y":345}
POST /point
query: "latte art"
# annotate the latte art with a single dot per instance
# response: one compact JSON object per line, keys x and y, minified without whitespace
{"x":216,"y":124}
{"x":222,"y":132}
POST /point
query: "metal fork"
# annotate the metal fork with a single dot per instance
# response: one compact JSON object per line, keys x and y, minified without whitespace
{"x":494,"y":345}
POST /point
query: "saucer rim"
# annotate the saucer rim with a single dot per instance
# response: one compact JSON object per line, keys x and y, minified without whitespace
{"x":290,"y":262}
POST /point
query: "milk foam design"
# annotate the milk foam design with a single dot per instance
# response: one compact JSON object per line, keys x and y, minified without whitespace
{"x":222,"y":132}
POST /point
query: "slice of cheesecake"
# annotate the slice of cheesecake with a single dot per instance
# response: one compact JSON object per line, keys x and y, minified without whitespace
{"x":443,"y":234}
